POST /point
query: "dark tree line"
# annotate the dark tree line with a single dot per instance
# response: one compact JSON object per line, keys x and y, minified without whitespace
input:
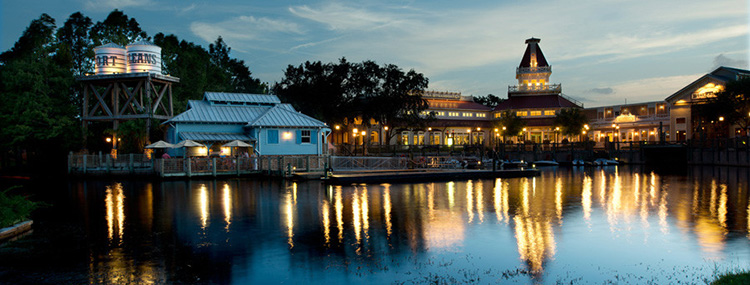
{"x":339,"y":92}
{"x":42,"y":102}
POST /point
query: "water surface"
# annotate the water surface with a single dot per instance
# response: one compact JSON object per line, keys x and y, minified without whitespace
{"x":583,"y":225}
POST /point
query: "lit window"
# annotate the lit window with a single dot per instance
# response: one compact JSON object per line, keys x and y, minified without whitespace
{"x":468,"y":115}
{"x":549,"y":112}
{"x":481,"y":115}
{"x":521,"y":113}
{"x":305,"y":136}
{"x":535,"y":113}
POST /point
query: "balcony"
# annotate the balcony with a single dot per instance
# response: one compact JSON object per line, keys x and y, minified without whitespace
{"x":539,"y":69}
{"x":535,"y":88}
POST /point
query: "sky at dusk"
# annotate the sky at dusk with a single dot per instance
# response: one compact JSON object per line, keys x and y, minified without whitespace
{"x":602,"y":52}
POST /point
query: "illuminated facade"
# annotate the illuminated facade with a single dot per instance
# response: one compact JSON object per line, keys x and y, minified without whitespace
{"x":273,"y":128}
{"x":684,"y":120}
{"x":534,"y":99}
{"x":459,"y":121}
{"x":629,"y":122}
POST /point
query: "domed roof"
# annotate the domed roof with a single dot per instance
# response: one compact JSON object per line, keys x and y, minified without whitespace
{"x":142,"y":43}
{"x":110,"y":45}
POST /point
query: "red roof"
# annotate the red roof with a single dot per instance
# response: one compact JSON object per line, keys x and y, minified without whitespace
{"x":536,"y":102}
{"x":456,"y":105}
{"x":526,"y":60}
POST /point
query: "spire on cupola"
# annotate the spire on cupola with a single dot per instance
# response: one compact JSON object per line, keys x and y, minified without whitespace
{"x":533,"y":72}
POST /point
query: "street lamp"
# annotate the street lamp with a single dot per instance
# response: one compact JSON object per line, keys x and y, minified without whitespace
{"x":557,"y":129}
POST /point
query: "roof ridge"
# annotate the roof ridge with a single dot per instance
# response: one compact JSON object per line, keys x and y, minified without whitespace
{"x":262,"y":115}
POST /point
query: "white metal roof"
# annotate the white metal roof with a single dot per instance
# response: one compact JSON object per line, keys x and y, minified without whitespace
{"x":203,"y":136}
{"x":279,"y":116}
{"x":203,"y":112}
{"x":243,"y":98}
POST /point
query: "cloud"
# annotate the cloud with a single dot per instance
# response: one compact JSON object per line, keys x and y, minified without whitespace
{"x":645,"y":90}
{"x":344,"y":18}
{"x":106,"y":5}
{"x":602,"y":90}
{"x":240,"y":30}
{"x":722,"y":60}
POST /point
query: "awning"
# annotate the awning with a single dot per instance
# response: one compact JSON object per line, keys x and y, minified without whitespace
{"x":214,"y":137}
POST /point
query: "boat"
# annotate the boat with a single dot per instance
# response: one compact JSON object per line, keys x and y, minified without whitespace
{"x":546,"y":163}
{"x":515,"y":163}
{"x":577,"y":162}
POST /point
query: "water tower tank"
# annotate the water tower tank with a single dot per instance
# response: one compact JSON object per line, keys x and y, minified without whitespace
{"x":144,"y":56}
{"x":110,"y":59}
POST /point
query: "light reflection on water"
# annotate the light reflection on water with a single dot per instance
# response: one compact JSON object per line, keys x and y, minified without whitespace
{"x":558,"y":225}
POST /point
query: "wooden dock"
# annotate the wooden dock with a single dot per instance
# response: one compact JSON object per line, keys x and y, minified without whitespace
{"x":426,"y":176}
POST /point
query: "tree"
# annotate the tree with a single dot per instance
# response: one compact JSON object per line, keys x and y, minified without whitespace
{"x":571,"y":121}
{"x":510,"y":124}
{"x":490,"y":100}
{"x":733,"y":104}
{"x":37,"y":114}
{"x":333,"y":92}
{"x":117,"y":28}
{"x":73,"y":39}
{"x":35,"y":42}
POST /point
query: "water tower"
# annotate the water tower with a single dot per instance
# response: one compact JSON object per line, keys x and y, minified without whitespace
{"x":127,"y":84}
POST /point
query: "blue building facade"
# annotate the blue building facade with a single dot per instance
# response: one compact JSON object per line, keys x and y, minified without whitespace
{"x":271,"y":127}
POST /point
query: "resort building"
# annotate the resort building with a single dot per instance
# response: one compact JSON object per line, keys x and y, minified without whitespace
{"x":534,"y":99}
{"x":687,"y":124}
{"x":629,"y":122}
{"x":459,"y":121}
{"x":273,"y":128}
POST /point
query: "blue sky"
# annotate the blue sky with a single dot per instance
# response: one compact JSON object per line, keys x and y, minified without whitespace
{"x":602,"y":52}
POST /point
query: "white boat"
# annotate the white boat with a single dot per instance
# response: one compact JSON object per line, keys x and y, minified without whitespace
{"x":546,"y":163}
{"x":513,"y":164}
{"x":577,"y":162}
{"x":612,"y":162}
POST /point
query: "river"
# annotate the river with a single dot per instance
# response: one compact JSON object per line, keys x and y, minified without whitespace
{"x":580,"y":225}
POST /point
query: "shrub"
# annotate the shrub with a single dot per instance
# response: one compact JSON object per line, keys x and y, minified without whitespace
{"x":14,"y":208}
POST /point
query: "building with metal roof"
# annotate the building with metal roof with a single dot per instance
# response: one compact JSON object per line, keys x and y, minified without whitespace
{"x":272,"y":127}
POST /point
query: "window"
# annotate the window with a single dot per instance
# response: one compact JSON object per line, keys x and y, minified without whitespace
{"x":535,"y":113}
{"x":680,"y":121}
{"x":498,"y":115}
{"x":273,"y":136}
{"x":521,"y":113}
{"x":468,"y":115}
{"x":481,"y":115}
{"x":549,"y":112}
{"x":305,"y":136}
{"x":453,"y":114}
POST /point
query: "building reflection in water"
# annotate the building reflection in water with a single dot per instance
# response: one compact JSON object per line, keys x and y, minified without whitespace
{"x":535,"y":237}
{"x":115,"y":207}
{"x":369,"y":221}
{"x":203,"y":206}
{"x":227,"y":199}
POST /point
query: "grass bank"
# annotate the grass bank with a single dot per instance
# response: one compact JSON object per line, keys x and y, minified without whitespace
{"x":739,"y":277}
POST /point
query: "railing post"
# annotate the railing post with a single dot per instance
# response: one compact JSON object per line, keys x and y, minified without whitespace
{"x":131,"y":168}
{"x":307,"y":164}
{"x":84,"y":164}
{"x":213,"y":164}
{"x":161,"y":165}
{"x":108,"y":167}
{"x":189,"y":167}
{"x":237,"y":163}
